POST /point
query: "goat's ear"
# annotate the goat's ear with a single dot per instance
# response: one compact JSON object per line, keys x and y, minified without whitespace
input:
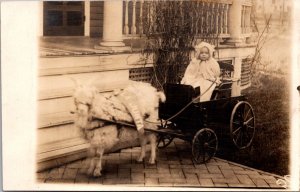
{"x":95,"y":90}
{"x":92,"y":80}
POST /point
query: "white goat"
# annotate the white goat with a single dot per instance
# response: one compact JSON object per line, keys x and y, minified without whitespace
{"x":92,"y":108}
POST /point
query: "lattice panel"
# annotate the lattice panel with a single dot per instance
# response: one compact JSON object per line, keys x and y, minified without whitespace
{"x":143,"y":74}
{"x":246,"y":71}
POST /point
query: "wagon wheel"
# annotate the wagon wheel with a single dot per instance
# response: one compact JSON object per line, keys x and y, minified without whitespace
{"x":242,"y":125}
{"x":204,"y":146}
{"x":165,"y":139}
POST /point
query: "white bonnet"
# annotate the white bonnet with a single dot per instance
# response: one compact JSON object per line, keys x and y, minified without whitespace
{"x":210,"y":47}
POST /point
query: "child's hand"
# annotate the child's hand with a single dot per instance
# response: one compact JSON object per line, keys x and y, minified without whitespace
{"x":218,"y":81}
{"x":182,"y":81}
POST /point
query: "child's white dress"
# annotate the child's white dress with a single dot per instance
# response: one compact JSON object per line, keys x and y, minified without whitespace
{"x":204,"y":74}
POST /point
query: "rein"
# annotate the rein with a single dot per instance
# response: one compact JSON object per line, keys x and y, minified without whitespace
{"x":156,"y":123}
{"x":191,"y":102}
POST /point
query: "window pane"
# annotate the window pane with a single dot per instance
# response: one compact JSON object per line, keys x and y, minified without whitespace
{"x":55,"y":18}
{"x":74,"y":18}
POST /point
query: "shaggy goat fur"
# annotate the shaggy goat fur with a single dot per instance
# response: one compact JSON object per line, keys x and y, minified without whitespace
{"x":92,"y":109}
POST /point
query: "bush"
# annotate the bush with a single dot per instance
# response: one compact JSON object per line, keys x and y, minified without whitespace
{"x":270,"y":147}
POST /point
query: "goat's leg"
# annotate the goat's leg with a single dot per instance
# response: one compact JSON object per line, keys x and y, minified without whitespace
{"x":152,"y":138}
{"x":91,"y":154}
{"x":97,"y":171}
{"x":86,"y":165}
{"x":143,"y":143}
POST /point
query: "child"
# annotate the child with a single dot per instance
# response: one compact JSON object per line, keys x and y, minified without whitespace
{"x":203,"y":71}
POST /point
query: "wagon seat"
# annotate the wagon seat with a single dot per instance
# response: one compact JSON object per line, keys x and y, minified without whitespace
{"x":224,"y":89}
{"x":180,"y":94}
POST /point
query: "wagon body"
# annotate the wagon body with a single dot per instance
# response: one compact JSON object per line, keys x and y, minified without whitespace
{"x":201,"y":122}
{"x":215,"y":113}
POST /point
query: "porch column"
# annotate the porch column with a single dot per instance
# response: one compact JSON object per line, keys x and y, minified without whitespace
{"x":112,"y":26}
{"x":235,"y":24}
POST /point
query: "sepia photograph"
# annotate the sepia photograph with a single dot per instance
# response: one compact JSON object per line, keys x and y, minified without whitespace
{"x":158,"y":95}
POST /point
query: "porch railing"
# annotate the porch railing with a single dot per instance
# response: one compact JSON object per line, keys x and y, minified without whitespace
{"x":209,"y":17}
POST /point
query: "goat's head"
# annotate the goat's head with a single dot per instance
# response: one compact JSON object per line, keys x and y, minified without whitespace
{"x":83,"y":99}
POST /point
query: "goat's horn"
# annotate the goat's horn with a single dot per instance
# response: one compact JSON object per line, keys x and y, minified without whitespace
{"x":75,"y":81}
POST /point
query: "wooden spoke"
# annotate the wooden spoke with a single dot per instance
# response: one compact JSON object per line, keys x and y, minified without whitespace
{"x":164,"y":142}
{"x":249,"y":120}
{"x":247,"y":110}
{"x":238,"y":135}
{"x":246,"y":135}
{"x":211,"y":147}
{"x":212,"y":141}
{"x":198,"y":156}
{"x":247,"y":113}
{"x":241,"y":138}
{"x":248,"y":126}
{"x":237,"y":123}
{"x":238,"y":129}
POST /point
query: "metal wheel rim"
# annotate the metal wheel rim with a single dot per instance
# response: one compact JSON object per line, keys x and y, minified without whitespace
{"x":203,"y":149}
{"x":239,"y":128}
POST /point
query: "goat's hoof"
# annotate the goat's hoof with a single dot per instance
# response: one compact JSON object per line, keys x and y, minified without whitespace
{"x":151,"y":161}
{"x":97,"y":173}
{"x":90,"y":171}
{"x":140,"y":160}
{"x":83,"y":171}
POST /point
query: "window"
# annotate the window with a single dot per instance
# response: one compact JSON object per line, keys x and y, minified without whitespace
{"x":62,"y":18}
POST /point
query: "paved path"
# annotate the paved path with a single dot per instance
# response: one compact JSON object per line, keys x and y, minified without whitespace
{"x":174,"y":167}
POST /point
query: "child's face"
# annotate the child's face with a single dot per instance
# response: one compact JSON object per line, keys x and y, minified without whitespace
{"x":204,"y":54}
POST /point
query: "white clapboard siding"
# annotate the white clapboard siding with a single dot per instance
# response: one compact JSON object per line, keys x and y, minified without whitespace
{"x":57,"y":82}
{"x":55,"y":119}
{"x":57,"y":133}
{"x":56,"y":105}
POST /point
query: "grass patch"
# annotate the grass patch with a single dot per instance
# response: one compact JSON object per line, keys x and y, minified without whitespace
{"x":270,"y":147}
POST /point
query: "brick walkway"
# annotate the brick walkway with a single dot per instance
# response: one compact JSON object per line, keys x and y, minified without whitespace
{"x":174,"y":167}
